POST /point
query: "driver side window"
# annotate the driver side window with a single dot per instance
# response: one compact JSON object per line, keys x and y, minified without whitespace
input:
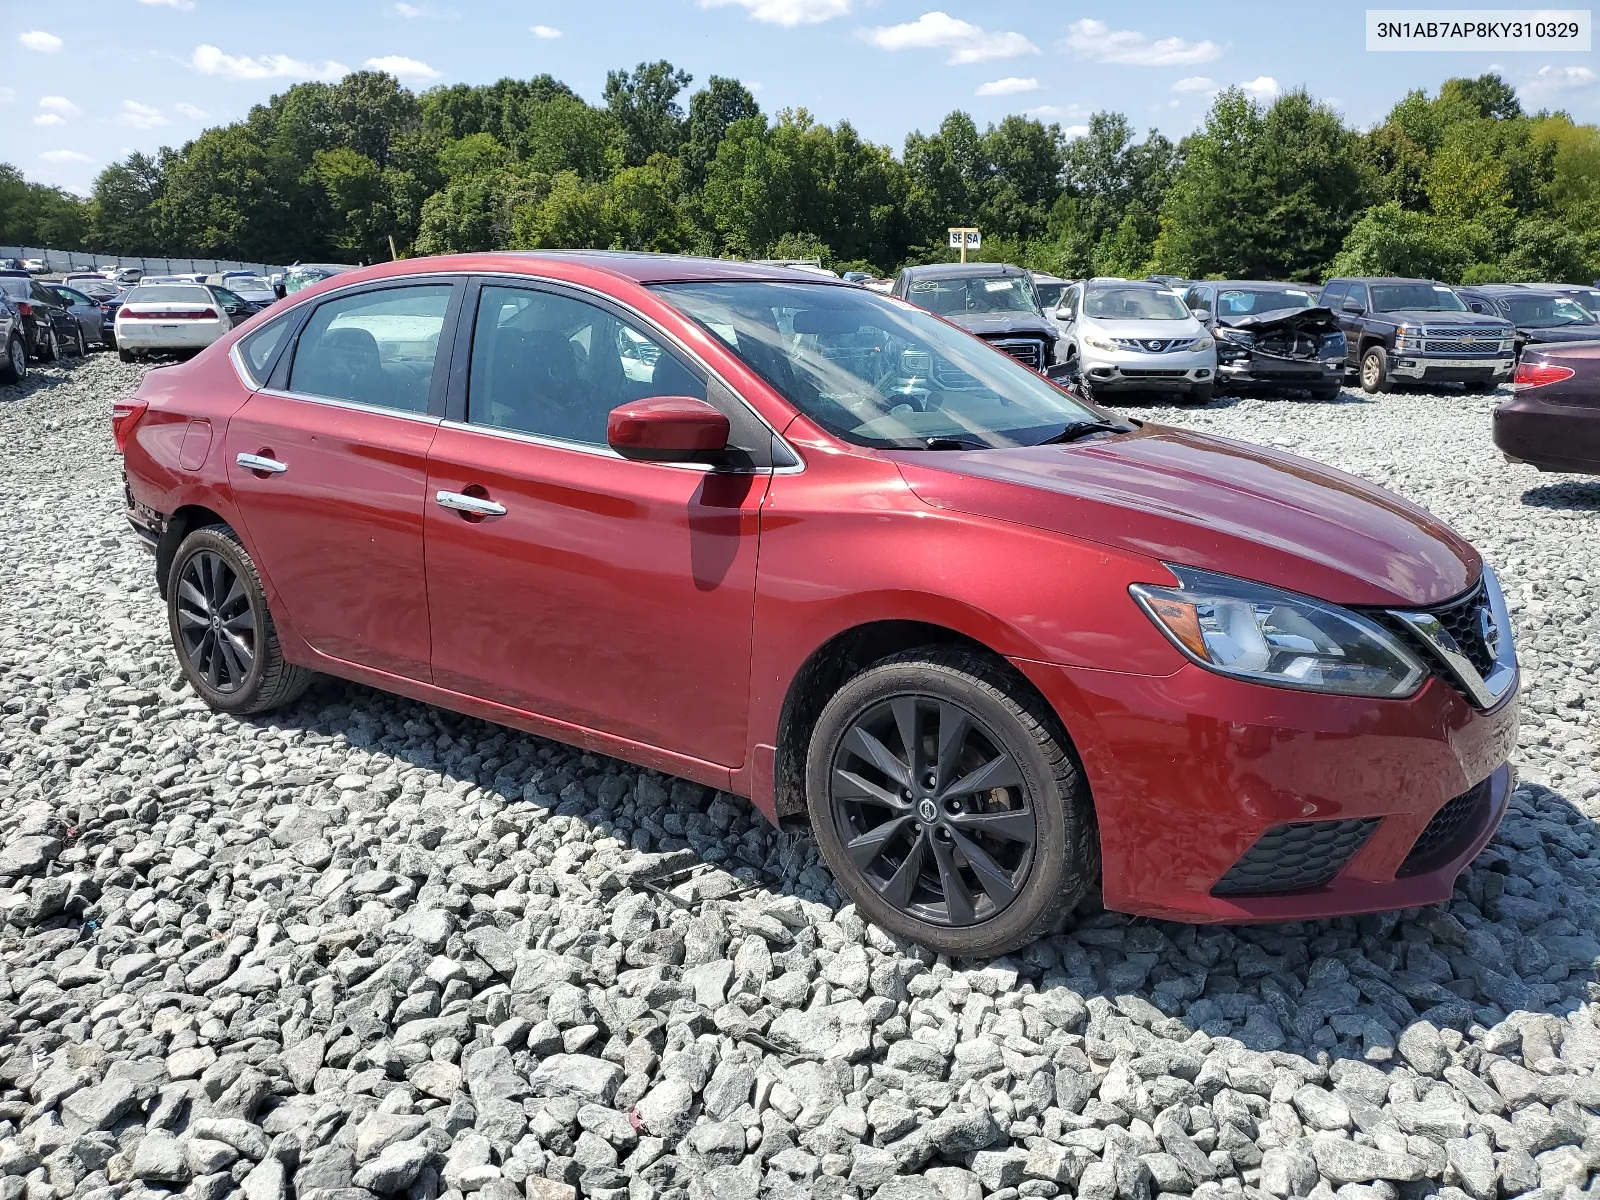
{"x":550,"y":365}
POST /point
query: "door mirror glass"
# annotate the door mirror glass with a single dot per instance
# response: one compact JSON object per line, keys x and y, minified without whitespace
{"x":667,"y":429}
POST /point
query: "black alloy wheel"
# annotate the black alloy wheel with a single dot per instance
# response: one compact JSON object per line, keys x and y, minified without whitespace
{"x":216,"y":624}
{"x":947,"y":802}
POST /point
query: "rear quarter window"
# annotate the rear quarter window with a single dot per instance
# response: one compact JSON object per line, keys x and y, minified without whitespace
{"x":260,"y":350}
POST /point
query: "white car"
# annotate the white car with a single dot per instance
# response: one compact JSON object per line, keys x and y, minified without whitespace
{"x":1128,"y":335}
{"x":169,"y":316}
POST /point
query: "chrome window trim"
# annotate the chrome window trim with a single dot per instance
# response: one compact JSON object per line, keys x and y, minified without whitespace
{"x":353,"y":405}
{"x":1485,"y":691}
{"x":591,"y":448}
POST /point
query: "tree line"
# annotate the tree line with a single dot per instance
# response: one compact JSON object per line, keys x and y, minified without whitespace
{"x":1463,"y":185}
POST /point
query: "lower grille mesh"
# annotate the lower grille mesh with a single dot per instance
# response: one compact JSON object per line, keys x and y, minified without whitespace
{"x":1451,"y":828}
{"x":1292,"y":858}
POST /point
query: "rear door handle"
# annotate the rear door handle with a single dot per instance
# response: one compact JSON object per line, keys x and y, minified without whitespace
{"x":476,"y":506}
{"x":256,"y":462}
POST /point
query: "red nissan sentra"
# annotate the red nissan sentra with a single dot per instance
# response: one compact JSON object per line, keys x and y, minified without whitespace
{"x":800,"y":541}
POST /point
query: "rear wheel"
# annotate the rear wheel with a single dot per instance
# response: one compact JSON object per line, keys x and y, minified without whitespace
{"x":125,"y":355}
{"x":81,"y":344}
{"x":15,"y":367}
{"x":946,"y":801}
{"x":1375,"y":370}
{"x":226,"y":642}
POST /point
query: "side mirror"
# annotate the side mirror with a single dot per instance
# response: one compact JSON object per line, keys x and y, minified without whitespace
{"x":1064,"y":373}
{"x":1063,"y":313}
{"x":666,"y":429}
{"x":1352,"y":306}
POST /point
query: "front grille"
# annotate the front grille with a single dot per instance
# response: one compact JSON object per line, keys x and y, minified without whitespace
{"x":1294,"y":858}
{"x":1025,"y":350}
{"x":1452,"y":827}
{"x":1453,"y":346}
{"x":1461,"y":619}
{"x":1152,"y":345}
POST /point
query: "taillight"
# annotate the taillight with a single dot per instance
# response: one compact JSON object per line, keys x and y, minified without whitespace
{"x":25,"y":308}
{"x":1538,"y":374}
{"x":125,"y":415}
{"x":180,"y":314}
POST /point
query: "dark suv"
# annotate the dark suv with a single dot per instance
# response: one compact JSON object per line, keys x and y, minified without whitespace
{"x":1539,"y":314}
{"x":47,"y":325}
{"x":995,"y":301}
{"x":1421,"y":330}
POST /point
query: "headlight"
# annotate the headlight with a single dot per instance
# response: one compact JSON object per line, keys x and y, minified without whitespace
{"x":1242,"y":337}
{"x":1098,"y":343}
{"x":1256,"y":632}
{"x":1200,"y":343}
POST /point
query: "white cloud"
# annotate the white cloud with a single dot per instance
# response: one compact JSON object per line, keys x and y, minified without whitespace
{"x":1098,"y":42}
{"x":544,"y":31}
{"x":401,"y":67}
{"x":1195,"y":83}
{"x":190,"y":111}
{"x":787,"y":13}
{"x":410,"y":11}
{"x":1262,"y":87}
{"x":209,"y":60}
{"x":58,"y":104}
{"x":49,"y":119}
{"x":1009,"y":86}
{"x":65,"y":156}
{"x":182,"y":5}
{"x":40,"y":41}
{"x":1073,"y":132}
{"x":141,"y":116}
{"x":1559,"y":79}
{"x":967,"y":43}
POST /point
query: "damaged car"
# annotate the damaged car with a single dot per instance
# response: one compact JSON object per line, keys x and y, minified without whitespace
{"x":1271,"y":335}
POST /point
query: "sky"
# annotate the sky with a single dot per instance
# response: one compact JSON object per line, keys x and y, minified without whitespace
{"x":89,"y":82}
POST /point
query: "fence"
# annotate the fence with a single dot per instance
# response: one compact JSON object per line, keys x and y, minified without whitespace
{"x":60,"y":261}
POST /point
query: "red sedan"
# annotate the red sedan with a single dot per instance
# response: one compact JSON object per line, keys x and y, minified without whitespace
{"x":800,"y":541}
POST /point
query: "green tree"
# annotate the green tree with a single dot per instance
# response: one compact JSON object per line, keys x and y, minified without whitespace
{"x":572,"y":216}
{"x":712,"y":110}
{"x":642,"y":211}
{"x":126,"y":206}
{"x":1390,"y":240}
{"x":644,"y":102}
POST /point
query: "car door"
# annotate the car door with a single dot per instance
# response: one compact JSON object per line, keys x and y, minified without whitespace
{"x":1071,"y":300}
{"x":565,"y":580}
{"x":328,"y":465}
{"x":85,"y":312}
{"x":1352,"y":310}
{"x":56,"y":314}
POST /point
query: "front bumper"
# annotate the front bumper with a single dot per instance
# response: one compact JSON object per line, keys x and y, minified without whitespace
{"x":1552,"y":437}
{"x":1190,"y":771}
{"x":1125,"y":370}
{"x":1265,"y":370}
{"x":1472,"y":369}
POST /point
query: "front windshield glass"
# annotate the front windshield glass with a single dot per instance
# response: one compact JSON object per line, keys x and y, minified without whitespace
{"x":1050,"y":293}
{"x":1427,"y":297}
{"x":1244,"y":301}
{"x":1132,"y":304}
{"x":1547,"y":312}
{"x":967,"y":295}
{"x":877,"y":372}
{"x":247,"y":283}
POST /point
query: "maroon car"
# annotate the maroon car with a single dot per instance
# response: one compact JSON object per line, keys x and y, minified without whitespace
{"x":1553,"y":420}
{"x":792,"y":539}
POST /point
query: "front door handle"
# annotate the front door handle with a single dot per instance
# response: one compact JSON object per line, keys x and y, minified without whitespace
{"x":475,"y":506}
{"x":257,"y":462}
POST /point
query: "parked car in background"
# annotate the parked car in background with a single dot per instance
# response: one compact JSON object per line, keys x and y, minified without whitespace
{"x":1049,"y":289}
{"x":127,"y":276}
{"x":1136,"y":336}
{"x":239,"y":309}
{"x":13,"y":344}
{"x":1176,"y":282}
{"x":1552,"y":420}
{"x":83,"y":278}
{"x":1271,"y":335}
{"x":48,"y":328}
{"x":252,"y":289}
{"x":86,"y":311}
{"x":999,"y":645}
{"x":35,"y":266}
{"x":174,"y":317}
{"x":1418,"y":330}
{"x":1538,"y":314}
{"x":1584,"y":294}
{"x":305,"y":274}
{"x":994,"y":301}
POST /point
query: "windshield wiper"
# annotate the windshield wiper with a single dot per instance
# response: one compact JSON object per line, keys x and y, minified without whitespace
{"x":954,"y":443}
{"x":1080,"y":429}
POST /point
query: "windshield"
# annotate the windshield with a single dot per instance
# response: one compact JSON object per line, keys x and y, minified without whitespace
{"x":1428,"y":297}
{"x":246,"y":283}
{"x":876,"y":372}
{"x":1050,"y":293}
{"x":1547,"y":312}
{"x":299,"y":277}
{"x":1133,"y":304}
{"x":1241,"y":302}
{"x":974,"y":294}
{"x":169,"y":293}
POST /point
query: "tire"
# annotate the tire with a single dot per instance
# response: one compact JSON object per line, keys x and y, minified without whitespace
{"x":1201,"y":394}
{"x":81,"y":349}
{"x":125,"y":355}
{"x":49,"y":348}
{"x":1374,"y":370}
{"x":1326,"y":393}
{"x":213,"y":590}
{"x":1032,"y":884}
{"x":15,"y":367}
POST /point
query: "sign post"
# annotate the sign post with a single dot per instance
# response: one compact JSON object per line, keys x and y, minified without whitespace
{"x":964,"y":238}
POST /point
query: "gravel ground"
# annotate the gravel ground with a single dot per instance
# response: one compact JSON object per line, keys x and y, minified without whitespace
{"x":364,"y":948}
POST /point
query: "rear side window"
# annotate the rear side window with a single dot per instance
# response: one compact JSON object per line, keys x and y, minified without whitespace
{"x":373,"y":348}
{"x":1333,"y":294}
{"x":261,"y":347}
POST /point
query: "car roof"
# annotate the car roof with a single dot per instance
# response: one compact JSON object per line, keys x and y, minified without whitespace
{"x":1148,"y":285}
{"x":962,"y":270}
{"x":1384,"y":279}
{"x":1256,"y":283}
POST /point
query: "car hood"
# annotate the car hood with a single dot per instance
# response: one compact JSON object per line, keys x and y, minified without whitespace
{"x":1164,"y":330}
{"x":987,"y":325}
{"x":257,"y":297}
{"x":1210,"y":502}
{"x":1574,"y":333}
{"x":1429,"y":316}
{"x":1312,"y":320}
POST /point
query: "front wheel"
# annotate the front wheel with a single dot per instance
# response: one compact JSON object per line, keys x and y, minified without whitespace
{"x":81,"y":345}
{"x":15,"y":367}
{"x":49,"y":348}
{"x":946,"y":800}
{"x":226,"y":642}
{"x":1375,"y":371}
